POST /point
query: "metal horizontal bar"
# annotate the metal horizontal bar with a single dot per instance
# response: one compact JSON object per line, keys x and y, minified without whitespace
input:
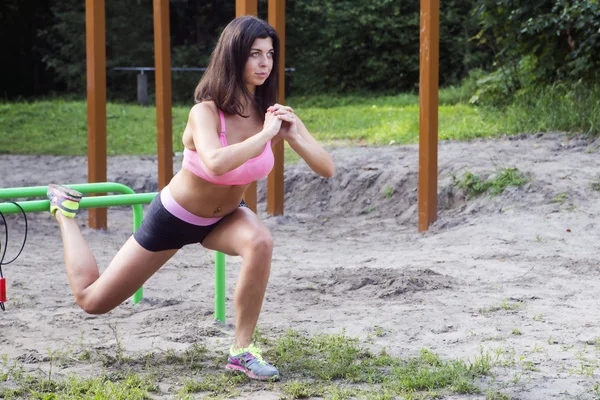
{"x":86,"y":202}
{"x":200,"y":69}
{"x":40,"y":191}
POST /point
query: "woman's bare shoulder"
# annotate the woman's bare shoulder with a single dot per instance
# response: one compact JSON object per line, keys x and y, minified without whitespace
{"x":204,"y":109}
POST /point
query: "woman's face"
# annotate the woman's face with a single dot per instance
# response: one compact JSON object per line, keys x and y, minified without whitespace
{"x":259,"y":63}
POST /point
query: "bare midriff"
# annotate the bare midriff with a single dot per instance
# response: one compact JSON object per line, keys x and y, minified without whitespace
{"x":203,"y":198}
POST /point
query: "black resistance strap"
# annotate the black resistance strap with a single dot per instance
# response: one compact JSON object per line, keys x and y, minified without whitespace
{"x":2,"y":279}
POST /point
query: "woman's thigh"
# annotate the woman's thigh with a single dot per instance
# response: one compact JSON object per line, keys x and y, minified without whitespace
{"x":130,"y":268}
{"x":237,"y":233}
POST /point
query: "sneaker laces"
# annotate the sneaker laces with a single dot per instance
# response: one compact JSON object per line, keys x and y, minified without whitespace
{"x":253,"y":351}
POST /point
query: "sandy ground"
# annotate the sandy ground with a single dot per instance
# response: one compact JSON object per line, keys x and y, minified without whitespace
{"x":348,"y":256}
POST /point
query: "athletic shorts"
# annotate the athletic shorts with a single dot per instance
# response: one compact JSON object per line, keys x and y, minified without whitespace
{"x":168,"y":226}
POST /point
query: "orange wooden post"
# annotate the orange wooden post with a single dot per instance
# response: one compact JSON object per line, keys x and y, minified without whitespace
{"x":275,"y":179}
{"x":428,"y":116}
{"x":162,"y":62}
{"x":248,"y":7}
{"x":95,"y":31}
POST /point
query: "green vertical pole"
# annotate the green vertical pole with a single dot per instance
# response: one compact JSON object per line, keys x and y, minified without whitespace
{"x":220,"y":286}
{"x":138,"y":216}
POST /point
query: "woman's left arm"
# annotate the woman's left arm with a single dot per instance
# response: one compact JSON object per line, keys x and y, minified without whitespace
{"x":302,"y":142}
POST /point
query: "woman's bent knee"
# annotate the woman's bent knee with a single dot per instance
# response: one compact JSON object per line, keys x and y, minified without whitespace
{"x":261,"y":244}
{"x":91,"y":305}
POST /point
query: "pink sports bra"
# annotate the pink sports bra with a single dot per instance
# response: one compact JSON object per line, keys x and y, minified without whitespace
{"x":252,"y":170}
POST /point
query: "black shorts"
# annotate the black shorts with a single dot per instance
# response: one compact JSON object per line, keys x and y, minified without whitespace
{"x":161,"y":230}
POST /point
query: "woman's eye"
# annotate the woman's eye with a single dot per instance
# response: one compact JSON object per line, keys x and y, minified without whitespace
{"x":270,"y":55}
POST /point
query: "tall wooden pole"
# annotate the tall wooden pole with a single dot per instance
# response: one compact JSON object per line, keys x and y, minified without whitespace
{"x":248,"y":7}
{"x":162,"y":62}
{"x":275,"y":178}
{"x":95,"y":31}
{"x":428,"y":116}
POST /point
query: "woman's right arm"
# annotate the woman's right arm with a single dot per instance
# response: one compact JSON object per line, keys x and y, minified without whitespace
{"x":204,"y":123}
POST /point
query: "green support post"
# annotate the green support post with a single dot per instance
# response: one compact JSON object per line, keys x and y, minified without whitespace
{"x":220,"y":286}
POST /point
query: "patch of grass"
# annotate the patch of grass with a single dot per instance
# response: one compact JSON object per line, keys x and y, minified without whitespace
{"x":560,"y":198}
{"x":259,"y":339}
{"x":59,"y":127}
{"x":302,"y":390}
{"x":495,"y":184}
{"x":596,"y":184}
{"x":516,"y":332}
{"x":370,"y":209}
{"x":493,"y":394}
{"x":506,"y":305}
{"x":388,"y":192}
{"x":558,"y":107}
{"x":217,"y":384}
{"x":328,"y":366}
{"x":529,"y":366}
{"x":192,"y":357}
{"x":131,"y":386}
{"x":338,"y":357}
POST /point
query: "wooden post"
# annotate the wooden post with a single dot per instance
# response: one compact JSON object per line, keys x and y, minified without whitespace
{"x":162,"y":63}
{"x":95,"y":30}
{"x":248,"y":7}
{"x":428,"y":116}
{"x":275,"y":179}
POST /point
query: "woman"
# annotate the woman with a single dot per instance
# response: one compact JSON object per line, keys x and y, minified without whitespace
{"x":227,"y":141}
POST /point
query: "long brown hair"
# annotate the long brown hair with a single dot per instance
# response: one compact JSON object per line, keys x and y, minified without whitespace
{"x":223,"y":80}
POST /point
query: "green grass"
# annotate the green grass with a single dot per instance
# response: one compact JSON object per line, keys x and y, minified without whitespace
{"x":330,"y":366}
{"x":495,"y":184}
{"x":59,"y":127}
{"x":506,"y":306}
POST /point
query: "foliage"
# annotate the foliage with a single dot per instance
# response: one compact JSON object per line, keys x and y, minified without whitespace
{"x":343,"y":46}
{"x":373,"y":45}
{"x":542,"y":41}
{"x":194,"y":29}
{"x":358,"y":46}
{"x":22,"y":72}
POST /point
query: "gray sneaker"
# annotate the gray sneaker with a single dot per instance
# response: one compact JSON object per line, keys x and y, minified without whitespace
{"x":250,"y":362}
{"x":63,"y":199}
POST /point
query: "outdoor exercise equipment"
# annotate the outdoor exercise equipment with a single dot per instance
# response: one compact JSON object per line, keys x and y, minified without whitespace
{"x":96,"y":96}
{"x":126,"y":197}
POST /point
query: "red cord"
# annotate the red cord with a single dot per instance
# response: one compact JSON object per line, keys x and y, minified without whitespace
{"x":2,"y":290}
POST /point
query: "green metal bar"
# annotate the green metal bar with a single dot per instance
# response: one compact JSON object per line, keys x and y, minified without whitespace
{"x":85,"y":188}
{"x":129,"y":198}
{"x":220,"y":286}
{"x":35,"y":191}
{"x":87,"y":202}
